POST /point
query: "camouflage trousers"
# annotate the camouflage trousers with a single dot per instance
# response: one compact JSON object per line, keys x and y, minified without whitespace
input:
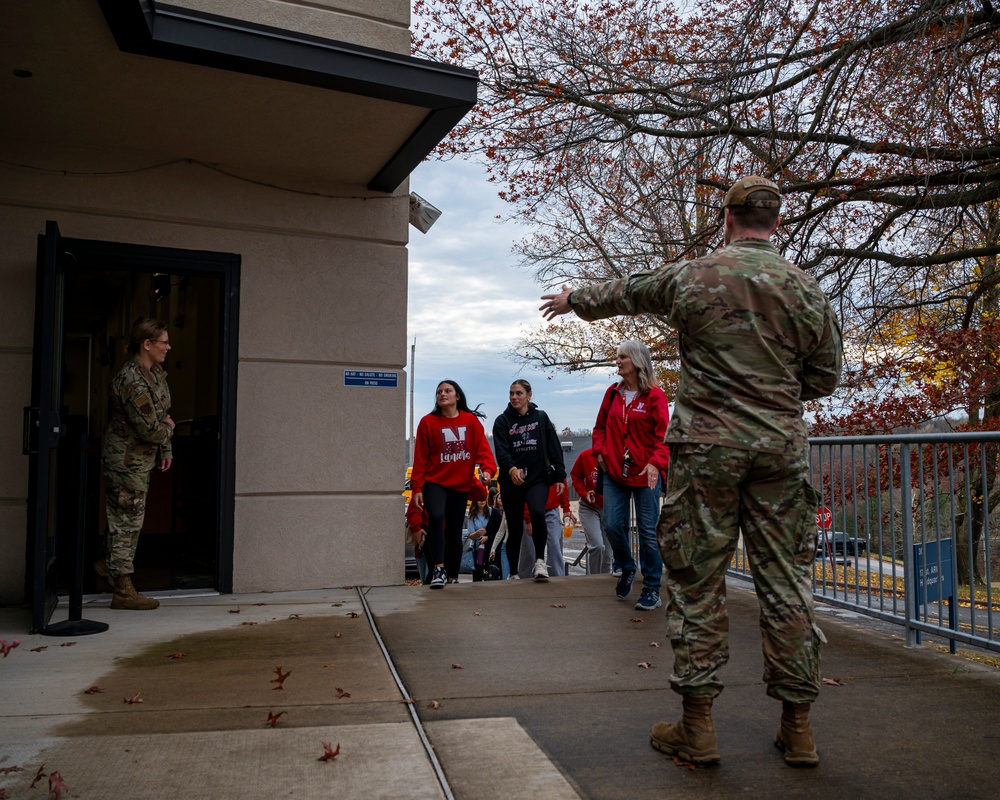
{"x":713,"y":495}
{"x":125,"y":502}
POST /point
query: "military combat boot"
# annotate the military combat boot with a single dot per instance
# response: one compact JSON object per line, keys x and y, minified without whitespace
{"x":795,"y":735}
{"x":693,"y":738}
{"x":127,"y":597}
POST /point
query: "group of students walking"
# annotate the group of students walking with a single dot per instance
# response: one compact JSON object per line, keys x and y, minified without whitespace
{"x":626,"y":465}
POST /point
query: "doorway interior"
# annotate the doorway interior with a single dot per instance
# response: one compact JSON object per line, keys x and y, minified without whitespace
{"x":187,"y":536}
{"x":179,"y":542}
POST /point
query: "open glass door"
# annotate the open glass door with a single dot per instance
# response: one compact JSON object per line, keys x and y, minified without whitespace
{"x":42,"y":429}
{"x":43,"y":432}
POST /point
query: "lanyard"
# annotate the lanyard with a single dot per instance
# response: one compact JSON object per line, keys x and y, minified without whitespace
{"x":627,"y":409}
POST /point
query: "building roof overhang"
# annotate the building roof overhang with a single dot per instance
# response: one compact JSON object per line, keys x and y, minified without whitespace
{"x":181,"y":82}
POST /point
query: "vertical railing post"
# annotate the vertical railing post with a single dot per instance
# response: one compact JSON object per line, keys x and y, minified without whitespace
{"x":909,"y":565}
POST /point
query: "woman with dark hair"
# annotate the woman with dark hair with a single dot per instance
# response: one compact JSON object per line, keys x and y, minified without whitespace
{"x":530,"y":460}
{"x":450,"y":443}
{"x":628,"y":440}
{"x":137,"y":439}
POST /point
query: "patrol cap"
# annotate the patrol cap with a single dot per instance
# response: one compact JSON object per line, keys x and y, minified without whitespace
{"x":744,"y":187}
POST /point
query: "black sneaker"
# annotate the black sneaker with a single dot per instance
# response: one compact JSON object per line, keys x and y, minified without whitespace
{"x":624,"y":587}
{"x":439,"y":579}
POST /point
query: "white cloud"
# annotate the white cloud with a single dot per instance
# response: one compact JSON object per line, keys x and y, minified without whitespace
{"x":469,"y":302}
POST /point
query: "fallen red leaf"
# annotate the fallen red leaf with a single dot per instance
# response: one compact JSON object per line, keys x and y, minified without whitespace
{"x":9,"y":770}
{"x":280,"y":680}
{"x":248,"y":623}
{"x":38,"y":776}
{"x":637,"y":619}
{"x":341,"y":693}
{"x":407,"y":700}
{"x":234,"y":611}
{"x":329,"y":752}
{"x":457,"y":666}
{"x":272,"y":718}
{"x":56,"y":785}
{"x":559,"y":605}
{"x":644,"y":664}
{"x":93,"y":690}
{"x":260,"y":604}
{"x":327,"y":666}
{"x":680,"y":762}
{"x":3,"y":794}
{"x":6,"y":647}
{"x":353,"y":614}
{"x":66,"y":644}
{"x":832,"y":682}
{"x":39,"y":648}
{"x":177,"y":655}
{"x":134,"y":698}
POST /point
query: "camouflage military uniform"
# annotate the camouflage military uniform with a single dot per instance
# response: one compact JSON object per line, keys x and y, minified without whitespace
{"x":136,"y":440}
{"x":757,"y":337}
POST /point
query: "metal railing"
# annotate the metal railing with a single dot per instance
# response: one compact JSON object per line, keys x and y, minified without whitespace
{"x":910,"y":536}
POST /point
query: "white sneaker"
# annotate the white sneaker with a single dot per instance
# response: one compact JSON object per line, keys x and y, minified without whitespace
{"x":541,"y":570}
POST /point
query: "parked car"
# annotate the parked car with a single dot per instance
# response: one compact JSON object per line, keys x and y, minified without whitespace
{"x":842,"y":545}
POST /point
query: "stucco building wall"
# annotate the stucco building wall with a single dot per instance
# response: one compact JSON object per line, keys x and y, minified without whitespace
{"x":323,"y":289}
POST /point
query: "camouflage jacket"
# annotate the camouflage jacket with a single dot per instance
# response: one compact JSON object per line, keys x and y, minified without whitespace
{"x":137,"y":437}
{"x":757,"y":337}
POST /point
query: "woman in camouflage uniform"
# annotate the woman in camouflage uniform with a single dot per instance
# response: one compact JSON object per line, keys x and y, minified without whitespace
{"x":137,"y":440}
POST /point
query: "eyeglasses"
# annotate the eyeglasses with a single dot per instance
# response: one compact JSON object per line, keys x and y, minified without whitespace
{"x":160,"y":341}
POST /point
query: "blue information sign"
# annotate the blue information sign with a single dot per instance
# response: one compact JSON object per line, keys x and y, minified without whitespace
{"x":361,"y":377}
{"x":934,"y":573}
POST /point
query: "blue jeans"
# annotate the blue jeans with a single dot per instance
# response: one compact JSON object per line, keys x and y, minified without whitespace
{"x":647,"y":513}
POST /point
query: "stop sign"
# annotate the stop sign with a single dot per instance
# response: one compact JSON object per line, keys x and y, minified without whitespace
{"x":824,"y":518}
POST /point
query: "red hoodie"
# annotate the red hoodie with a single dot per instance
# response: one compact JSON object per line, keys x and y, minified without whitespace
{"x":584,"y":477}
{"x":447,"y":450}
{"x":645,"y":420}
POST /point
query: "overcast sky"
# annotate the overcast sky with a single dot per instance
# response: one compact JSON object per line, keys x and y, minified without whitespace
{"x":469,"y":301}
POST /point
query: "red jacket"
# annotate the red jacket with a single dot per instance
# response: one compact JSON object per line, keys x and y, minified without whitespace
{"x":447,"y":450}
{"x":554,"y":501}
{"x":645,"y":419}
{"x":584,"y":477}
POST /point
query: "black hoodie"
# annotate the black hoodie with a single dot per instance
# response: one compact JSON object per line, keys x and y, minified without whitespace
{"x":518,"y":441}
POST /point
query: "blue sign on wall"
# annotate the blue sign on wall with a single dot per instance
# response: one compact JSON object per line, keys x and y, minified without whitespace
{"x":360,"y":377}
{"x":934,"y":572}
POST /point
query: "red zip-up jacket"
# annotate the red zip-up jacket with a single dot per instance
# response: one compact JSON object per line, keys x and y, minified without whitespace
{"x":447,"y":450}
{"x":584,"y":477}
{"x":645,"y":420}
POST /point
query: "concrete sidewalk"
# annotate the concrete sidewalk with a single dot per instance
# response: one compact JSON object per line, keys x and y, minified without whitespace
{"x":508,"y":690}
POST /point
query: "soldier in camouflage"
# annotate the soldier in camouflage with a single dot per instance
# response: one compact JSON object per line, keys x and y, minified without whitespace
{"x":137,"y":440}
{"x":757,"y":336}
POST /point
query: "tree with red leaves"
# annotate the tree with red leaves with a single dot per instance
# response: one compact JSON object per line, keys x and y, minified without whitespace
{"x":613,"y":129}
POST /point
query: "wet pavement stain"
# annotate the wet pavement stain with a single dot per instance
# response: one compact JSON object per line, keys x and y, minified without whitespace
{"x":229,"y":679}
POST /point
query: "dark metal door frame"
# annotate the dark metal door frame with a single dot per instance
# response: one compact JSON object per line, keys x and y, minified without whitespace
{"x":42,"y":429}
